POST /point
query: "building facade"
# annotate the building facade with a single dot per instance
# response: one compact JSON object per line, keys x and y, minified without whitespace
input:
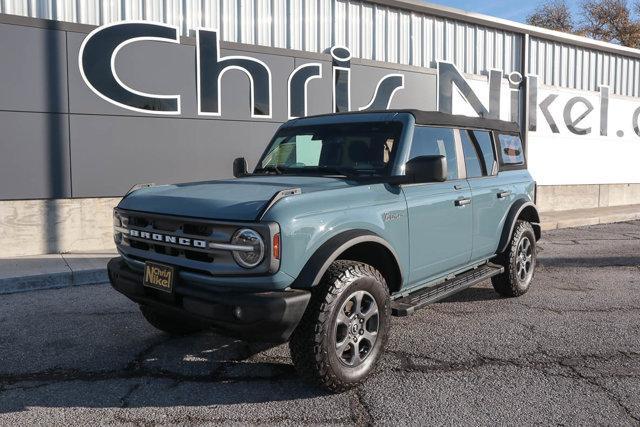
{"x":96,"y":96}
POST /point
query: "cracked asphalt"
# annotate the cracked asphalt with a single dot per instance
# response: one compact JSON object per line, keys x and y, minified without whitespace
{"x":567,"y":352}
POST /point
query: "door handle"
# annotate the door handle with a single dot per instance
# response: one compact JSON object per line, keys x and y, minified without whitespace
{"x":503,"y":194}
{"x":462,"y":202}
{"x":458,"y":187}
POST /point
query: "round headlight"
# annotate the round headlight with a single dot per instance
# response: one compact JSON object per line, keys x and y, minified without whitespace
{"x":254,"y":252}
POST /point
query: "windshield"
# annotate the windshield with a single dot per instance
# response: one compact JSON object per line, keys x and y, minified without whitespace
{"x":349,"y":149}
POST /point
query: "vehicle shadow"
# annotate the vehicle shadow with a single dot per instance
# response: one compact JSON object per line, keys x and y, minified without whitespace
{"x":200,"y":370}
{"x":483,"y":292}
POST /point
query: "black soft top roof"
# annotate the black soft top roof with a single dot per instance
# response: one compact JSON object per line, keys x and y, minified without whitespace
{"x":444,"y":119}
{"x":437,"y":118}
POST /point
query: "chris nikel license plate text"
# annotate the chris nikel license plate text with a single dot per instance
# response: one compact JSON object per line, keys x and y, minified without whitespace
{"x":159,"y":276}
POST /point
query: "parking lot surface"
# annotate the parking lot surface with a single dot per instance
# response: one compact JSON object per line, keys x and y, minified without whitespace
{"x":567,"y":352}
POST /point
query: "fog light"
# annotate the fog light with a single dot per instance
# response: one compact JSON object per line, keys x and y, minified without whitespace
{"x":117,"y":238}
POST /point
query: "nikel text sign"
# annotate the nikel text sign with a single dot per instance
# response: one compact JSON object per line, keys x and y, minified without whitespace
{"x":99,"y":51}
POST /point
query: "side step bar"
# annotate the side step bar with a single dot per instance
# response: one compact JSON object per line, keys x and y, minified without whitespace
{"x":408,"y":304}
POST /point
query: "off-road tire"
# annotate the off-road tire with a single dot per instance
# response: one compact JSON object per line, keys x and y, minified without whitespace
{"x":313,"y":345}
{"x":509,"y":284}
{"x":169,"y":324}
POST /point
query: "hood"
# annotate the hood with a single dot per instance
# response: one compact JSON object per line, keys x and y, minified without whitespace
{"x":241,"y":199}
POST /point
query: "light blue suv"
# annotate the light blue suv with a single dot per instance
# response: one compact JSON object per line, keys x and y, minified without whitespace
{"x":347,"y":219}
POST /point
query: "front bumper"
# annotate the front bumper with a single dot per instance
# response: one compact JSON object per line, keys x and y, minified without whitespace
{"x":269,"y":316}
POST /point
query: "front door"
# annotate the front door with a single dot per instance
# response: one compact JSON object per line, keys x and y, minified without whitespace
{"x":440,"y":220}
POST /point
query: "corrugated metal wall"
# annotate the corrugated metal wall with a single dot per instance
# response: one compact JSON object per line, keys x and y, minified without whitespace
{"x":370,"y":31}
{"x":564,"y":65}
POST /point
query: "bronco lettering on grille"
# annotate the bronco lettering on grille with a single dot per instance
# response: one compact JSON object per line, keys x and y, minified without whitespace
{"x":165,"y":238}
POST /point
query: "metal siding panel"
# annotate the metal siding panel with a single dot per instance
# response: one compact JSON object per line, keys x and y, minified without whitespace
{"x":480,"y":58}
{"x":579,"y":69}
{"x":392,"y":36}
{"x":489,"y":49}
{"x":367,"y":28}
{"x":499,"y":51}
{"x":416,"y":40}
{"x":340,"y":23}
{"x":517,"y":53}
{"x":532,"y":61}
{"x":507,"y":64}
{"x":458,"y":45}
{"x":623,"y":77}
{"x":427,"y":42}
{"x":548,"y":63}
{"x":448,"y":40}
{"x":311,"y":25}
{"x":353,"y":28}
{"x":295,"y":24}
{"x":404,"y":38}
{"x":279,"y":24}
{"x":571,"y":67}
{"x":593,"y":71}
{"x":380,"y":33}
{"x":325,"y":8}
{"x":469,"y":51}
{"x":229,"y":21}
{"x":636,"y":78}
{"x":263,"y":22}
{"x":246,"y":24}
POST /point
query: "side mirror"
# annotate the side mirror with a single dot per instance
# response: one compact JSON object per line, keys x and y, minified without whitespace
{"x":239,"y":167}
{"x":426,"y":169}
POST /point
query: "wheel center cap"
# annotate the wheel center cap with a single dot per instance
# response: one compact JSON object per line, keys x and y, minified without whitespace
{"x":355,"y":326}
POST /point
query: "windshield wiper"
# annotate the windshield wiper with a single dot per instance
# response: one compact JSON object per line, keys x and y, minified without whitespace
{"x":270,"y":168}
{"x":336,"y":170}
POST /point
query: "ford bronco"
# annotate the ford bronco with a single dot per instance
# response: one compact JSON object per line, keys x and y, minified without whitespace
{"x":346,"y":220}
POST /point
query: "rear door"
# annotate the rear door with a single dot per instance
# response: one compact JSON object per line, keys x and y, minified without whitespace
{"x":491,"y":194}
{"x":439,"y":212}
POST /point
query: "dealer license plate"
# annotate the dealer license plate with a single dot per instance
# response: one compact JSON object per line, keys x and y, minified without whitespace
{"x":158,"y":276}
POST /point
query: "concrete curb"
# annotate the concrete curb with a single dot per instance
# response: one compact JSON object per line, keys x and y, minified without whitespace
{"x":52,"y":272}
{"x":583,"y":217}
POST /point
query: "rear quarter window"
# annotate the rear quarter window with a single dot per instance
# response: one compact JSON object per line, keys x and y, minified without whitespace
{"x":510,"y":151}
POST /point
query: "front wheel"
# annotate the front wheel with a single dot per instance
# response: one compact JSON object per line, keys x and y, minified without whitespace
{"x":519,"y":262}
{"x":345,"y":328}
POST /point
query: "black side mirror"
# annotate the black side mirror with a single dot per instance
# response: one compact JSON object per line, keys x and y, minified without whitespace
{"x":426,"y":169}
{"x":239,"y":167}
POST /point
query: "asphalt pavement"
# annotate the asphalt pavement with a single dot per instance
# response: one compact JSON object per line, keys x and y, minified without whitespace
{"x":567,"y":352}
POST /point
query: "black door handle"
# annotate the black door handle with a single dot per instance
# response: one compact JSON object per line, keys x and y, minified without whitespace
{"x":503,"y":194}
{"x":462,"y":202}
{"x":458,"y":187}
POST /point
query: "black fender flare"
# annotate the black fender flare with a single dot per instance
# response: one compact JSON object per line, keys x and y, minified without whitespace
{"x":329,"y":251}
{"x":517,"y":208}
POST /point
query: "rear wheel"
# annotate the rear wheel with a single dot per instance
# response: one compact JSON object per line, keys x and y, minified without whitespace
{"x":519,"y":262}
{"x":345,"y":328}
{"x":169,"y":324}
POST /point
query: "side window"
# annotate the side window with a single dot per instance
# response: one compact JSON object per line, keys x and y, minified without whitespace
{"x":483,"y":139}
{"x":511,"y":150}
{"x":472,"y":154}
{"x":430,"y":141}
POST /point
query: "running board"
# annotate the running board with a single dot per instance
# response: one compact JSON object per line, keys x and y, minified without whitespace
{"x":408,"y":304}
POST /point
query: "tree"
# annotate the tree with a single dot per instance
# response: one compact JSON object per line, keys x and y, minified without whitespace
{"x":554,"y":15}
{"x":611,"y":21}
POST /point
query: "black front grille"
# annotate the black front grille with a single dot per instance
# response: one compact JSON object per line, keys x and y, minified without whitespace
{"x":172,"y":227}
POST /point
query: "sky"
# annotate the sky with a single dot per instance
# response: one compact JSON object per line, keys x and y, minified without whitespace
{"x":513,"y":10}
